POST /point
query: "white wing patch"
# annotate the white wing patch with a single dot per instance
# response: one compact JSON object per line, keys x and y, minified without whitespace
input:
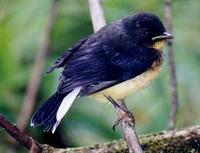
{"x":65,"y":105}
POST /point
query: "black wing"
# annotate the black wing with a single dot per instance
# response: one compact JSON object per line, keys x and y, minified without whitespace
{"x":90,"y":69}
{"x":61,"y":61}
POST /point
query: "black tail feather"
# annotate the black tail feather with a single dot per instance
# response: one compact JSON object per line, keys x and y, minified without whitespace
{"x":45,"y":116}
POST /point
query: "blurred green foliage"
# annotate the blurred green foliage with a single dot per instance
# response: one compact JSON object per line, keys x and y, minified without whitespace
{"x":22,"y":25}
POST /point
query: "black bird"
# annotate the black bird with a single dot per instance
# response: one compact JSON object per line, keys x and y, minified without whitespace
{"x":118,"y":60}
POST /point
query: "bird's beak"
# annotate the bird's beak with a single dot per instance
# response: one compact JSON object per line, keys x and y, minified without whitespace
{"x":165,"y":35}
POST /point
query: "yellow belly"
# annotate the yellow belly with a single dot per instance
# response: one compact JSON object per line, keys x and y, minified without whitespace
{"x":126,"y":88}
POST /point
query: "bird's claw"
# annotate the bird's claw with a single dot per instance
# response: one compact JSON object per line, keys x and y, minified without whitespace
{"x":116,"y":123}
{"x":126,"y":113}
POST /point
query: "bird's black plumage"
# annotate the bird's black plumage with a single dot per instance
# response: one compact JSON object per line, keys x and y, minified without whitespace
{"x":116,"y":53}
{"x":113,"y":54}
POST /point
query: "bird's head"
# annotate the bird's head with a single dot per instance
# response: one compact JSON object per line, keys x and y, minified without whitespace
{"x":146,"y":30}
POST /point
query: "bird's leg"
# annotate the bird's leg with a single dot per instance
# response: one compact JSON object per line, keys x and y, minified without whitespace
{"x":114,"y":103}
{"x":125,"y":112}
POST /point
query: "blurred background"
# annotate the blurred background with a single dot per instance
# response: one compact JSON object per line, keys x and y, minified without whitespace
{"x":23,"y":25}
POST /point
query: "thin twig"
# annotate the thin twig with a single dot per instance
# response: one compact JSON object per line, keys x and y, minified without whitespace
{"x":127,"y":123}
{"x":98,"y":21}
{"x":36,"y":75}
{"x":174,"y":95}
{"x":97,"y":14}
{"x":25,"y":140}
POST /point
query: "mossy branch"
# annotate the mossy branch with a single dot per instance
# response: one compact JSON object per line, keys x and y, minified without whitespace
{"x":185,"y":140}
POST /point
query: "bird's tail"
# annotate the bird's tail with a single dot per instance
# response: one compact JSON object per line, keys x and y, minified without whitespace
{"x":53,"y":110}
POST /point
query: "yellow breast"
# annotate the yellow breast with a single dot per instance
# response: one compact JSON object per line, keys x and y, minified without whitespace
{"x":126,"y":88}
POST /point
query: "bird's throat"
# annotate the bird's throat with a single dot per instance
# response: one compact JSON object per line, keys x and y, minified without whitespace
{"x":158,"y":45}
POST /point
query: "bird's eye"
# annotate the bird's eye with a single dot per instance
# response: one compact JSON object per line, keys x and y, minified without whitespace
{"x":146,"y":32}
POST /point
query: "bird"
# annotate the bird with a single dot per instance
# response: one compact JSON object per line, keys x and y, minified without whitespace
{"x":118,"y":60}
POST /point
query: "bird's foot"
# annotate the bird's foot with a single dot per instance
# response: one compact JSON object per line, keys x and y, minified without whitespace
{"x":125,"y":113}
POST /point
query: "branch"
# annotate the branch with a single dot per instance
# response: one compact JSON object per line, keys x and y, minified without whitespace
{"x":19,"y":136}
{"x":174,"y":95}
{"x":183,"y":140}
{"x":36,"y":75}
{"x":97,"y":15}
{"x":128,"y":127}
{"x":126,"y":121}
